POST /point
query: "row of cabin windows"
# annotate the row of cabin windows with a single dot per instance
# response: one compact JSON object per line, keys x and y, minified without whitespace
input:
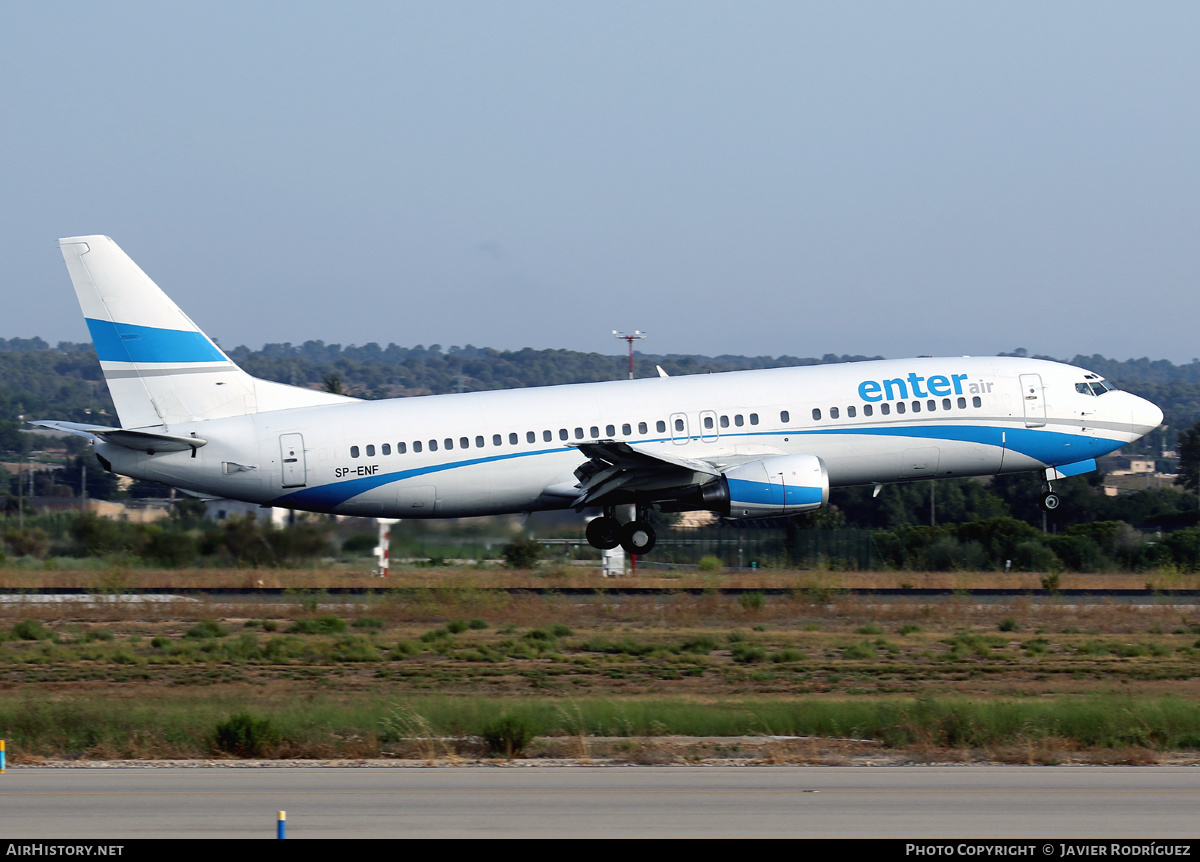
{"x":708,"y":421}
{"x":547,"y":436}
{"x":885,"y":409}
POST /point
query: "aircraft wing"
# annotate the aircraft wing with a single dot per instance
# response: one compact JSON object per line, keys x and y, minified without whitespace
{"x":616,"y":470}
{"x":139,"y":441}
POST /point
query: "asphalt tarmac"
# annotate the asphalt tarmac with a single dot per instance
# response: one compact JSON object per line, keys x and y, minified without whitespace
{"x":603,"y":802}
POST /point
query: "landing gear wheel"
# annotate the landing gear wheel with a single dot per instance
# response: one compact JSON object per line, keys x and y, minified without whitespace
{"x":604,"y":533}
{"x":637,"y":537}
{"x":1050,"y":501}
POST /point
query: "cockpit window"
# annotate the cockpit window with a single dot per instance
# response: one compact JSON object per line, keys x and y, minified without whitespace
{"x":1096,"y":386}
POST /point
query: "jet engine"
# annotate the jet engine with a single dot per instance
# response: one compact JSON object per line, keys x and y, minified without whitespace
{"x":770,"y":488}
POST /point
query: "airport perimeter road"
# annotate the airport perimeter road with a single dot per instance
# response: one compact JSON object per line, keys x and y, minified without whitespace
{"x":604,"y":802}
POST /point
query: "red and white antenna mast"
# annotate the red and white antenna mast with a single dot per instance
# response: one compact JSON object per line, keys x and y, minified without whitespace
{"x":637,"y":333}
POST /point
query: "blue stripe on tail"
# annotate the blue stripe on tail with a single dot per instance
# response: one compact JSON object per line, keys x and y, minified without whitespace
{"x":128,"y":342}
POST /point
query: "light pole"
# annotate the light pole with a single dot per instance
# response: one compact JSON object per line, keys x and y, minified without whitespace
{"x":637,"y":333}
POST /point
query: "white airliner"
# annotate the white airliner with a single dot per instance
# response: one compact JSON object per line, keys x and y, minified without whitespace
{"x":746,"y":444}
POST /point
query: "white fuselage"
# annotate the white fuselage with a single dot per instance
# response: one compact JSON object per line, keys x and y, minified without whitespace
{"x":512,"y":451}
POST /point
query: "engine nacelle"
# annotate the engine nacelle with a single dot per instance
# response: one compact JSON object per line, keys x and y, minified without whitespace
{"x":770,"y":488}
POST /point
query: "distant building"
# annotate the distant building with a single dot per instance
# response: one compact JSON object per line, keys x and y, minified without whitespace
{"x":221,"y":510}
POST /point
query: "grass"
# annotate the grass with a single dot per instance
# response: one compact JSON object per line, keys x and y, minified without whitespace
{"x":185,"y":725}
{"x":155,"y":681}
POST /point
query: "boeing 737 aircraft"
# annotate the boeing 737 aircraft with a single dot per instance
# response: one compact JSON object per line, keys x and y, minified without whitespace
{"x":745,"y":444}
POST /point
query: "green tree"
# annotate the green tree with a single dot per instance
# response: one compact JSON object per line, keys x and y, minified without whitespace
{"x":1189,"y":459}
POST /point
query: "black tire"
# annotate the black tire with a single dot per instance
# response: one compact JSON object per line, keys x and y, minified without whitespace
{"x":604,"y":533}
{"x":1050,"y":502}
{"x":637,"y":537}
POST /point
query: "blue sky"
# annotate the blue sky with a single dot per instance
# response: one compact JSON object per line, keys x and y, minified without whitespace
{"x":748,"y":178}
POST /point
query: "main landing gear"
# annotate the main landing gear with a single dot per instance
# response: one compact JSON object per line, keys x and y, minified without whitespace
{"x":606,"y":532}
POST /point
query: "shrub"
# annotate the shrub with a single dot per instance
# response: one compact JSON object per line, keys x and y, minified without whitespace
{"x":522,"y":554}
{"x":1009,"y":624}
{"x":244,"y":735}
{"x":319,"y":626}
{"x":207,"y":629}
{"x":711,"y":563}
{"x":30,"y":630}
{"x":751,"y":601}
{"x":745,"y":653}
{"x":788,"y":655}
{"x":368,"y":623}
{"x":508,"y":735}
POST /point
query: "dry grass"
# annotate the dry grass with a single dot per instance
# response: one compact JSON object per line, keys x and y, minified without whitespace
{"x":116,"y":579}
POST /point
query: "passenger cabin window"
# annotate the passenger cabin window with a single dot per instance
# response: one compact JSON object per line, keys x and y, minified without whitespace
{"x":386,"y":448}
{"x":449,"y":442}
{"x":899,"y":407}
{"x":945,"y":403}
{"x":738,"y":420}
{"x":868,"y":410}
{"x":626,"y":430}
{"x":610,"y":430}
{"x":371,"y":450}
{"x":786,"y":417}
{"x":530,"y":437}
{"x":724,"y":421}
{"x":562,"y":434}
{"x":353,"y":451}
{"x":916,"y":407}
{"x":579,"y":434}
{"x":850,"y":411}
{"x":432,"y":445}
{"x":962,"y":403}
{"x":498,"y":440}
{"x":643,"y":428}
{"x":416,"y":445}
{"x":401,"y":448}
{"x":753,"y":418}
{"x":834,"y":414}
{"x":660,"y":426}
{"x":708,"y":423}
{"x":479,"y":441}
{"x":678,"y":424}
{"x":464,"y":443}
{"x":885,"y":408}
{"x":817,"y":413}
{"x":512,"y":439}
{"x":977,"y":401}
{"x":547,"y":435}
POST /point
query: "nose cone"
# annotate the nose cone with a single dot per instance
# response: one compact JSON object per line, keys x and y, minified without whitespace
{"x":1146,"y":416}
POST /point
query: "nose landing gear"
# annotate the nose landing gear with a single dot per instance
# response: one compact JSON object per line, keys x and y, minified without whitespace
{"x":1049,"y":500}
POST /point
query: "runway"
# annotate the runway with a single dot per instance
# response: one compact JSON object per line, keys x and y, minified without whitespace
{"x":603,"y":802}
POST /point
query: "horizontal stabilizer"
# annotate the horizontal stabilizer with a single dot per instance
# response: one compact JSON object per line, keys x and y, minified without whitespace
{"x":139,"y":441}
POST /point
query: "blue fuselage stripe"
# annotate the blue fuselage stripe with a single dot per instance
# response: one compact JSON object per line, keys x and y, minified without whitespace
{"x":1047,"y":447}
{"x":128,"y":342}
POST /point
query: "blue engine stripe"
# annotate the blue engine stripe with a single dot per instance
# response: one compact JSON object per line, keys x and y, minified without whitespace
{"x":128,"y":342}
{"x":766,"y":493}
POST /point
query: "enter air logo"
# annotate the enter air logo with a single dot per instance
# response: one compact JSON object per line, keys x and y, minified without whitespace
{"x":916,"y":386}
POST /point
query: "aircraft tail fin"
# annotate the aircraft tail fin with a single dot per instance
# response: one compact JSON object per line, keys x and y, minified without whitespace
{"x":160,"y":367}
